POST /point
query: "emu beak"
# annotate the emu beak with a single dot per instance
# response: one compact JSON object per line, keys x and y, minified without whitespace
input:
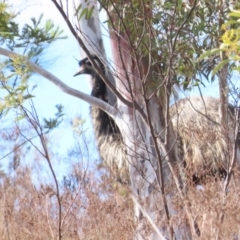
{"x":80,"y":71}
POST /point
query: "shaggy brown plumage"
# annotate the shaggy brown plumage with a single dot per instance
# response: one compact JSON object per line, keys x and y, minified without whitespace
{"x":205,"y":145}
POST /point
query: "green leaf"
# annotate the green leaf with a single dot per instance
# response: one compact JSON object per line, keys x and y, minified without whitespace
{"x":219,"y":66}
{"x":107,"y":21}
{"x":78,"y":9}
{"x":236,"y":68}
{"x":209,"y":53}
{"x":84,"y":12}
{"x":234,"y":14}
{"x":89,"y":13}
{"x":28,"y":96}
{"x":230,"y":22}
{"x":20,"y":117}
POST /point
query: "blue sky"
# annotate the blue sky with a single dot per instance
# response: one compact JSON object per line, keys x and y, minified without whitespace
{"x":58,"y":59}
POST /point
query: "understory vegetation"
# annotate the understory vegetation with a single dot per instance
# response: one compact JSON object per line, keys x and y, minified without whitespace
{"x":183,"y":166}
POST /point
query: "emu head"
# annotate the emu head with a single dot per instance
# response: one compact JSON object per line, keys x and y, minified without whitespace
{"x":87,"y":68}
{"x":99,"y":88}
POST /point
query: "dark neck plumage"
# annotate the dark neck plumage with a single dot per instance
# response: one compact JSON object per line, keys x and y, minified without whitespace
{"x":99,"y":89}
{"x":104,"y":124}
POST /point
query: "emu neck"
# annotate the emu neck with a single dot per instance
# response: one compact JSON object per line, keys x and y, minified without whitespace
{"x":99,"y":89}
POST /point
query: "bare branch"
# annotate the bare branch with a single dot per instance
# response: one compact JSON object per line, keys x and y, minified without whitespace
{"x":65,"y":88}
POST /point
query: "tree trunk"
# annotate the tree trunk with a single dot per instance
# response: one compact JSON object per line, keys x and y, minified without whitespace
{"x":147,"y":134}
{"x":149,"y":155}
{"x":89,"y":30}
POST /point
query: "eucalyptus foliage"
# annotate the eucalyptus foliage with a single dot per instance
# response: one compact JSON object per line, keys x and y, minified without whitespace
{"x":176,"y":34}
{"x":30,"y":41}
{"x":229,"y":50}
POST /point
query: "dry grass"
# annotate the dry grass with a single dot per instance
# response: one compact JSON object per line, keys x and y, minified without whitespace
{"x":96,"y":208}
{"x":90,"y":205}
{"x":91,"y":211}
{"x":216,"y":215}
{"x":87,"y":205}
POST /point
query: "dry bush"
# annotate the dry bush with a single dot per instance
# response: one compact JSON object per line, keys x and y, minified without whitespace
{"x":90,"y":210}
{"x":90,"y":205}
{"x":216,"y":215}
{"x":111,"y":218}
{"x":94,"y":206}
{"x":38,"y":202}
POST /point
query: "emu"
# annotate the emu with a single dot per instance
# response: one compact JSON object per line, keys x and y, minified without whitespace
{"x":108,"y":137}
{"x":203,"y":143}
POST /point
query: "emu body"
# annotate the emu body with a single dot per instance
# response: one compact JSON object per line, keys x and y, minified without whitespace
{"x":204,"y":144}
{"x":108,"y":137}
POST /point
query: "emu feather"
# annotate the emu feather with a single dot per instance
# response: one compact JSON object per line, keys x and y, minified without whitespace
{"x":204,"y":144}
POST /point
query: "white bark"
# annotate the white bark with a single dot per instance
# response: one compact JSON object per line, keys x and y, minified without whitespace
{"x":89,"y":30}
{"x":148,"y":172}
